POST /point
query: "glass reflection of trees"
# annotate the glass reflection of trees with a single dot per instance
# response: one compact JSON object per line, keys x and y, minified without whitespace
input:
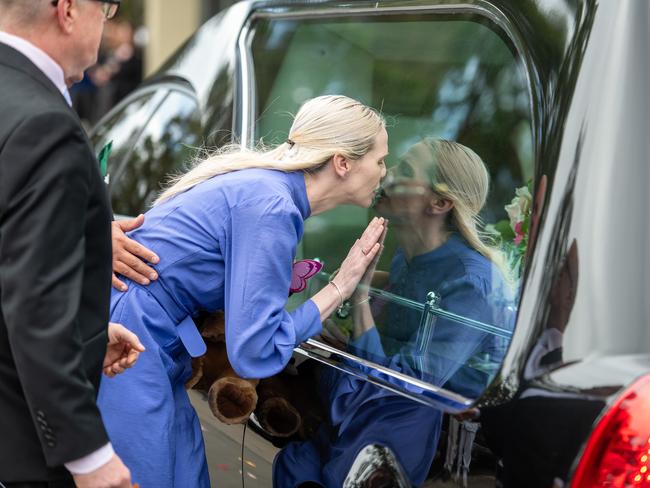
{"x":486,"y":107}
{"x":455,"y":77}
{"x":170,"y":141}
{"x":123,"y":127}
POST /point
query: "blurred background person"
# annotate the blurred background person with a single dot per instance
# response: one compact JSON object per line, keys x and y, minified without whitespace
{"x":118,"y":72}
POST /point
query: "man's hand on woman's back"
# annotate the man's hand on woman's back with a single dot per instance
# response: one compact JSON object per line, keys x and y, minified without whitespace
{"x":129,"y":257}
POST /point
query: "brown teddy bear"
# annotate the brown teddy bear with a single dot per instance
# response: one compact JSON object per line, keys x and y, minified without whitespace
{"x":232,"y":398}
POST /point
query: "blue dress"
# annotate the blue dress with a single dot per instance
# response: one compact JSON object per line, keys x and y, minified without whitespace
{"x":361,"y":413}
{"x":226,"y":244}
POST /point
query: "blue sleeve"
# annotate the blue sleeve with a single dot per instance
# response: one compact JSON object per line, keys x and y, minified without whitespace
{"x":368,"y":345}
{"x":261,"y":241}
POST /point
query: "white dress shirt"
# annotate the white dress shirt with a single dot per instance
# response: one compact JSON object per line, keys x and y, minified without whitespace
{"x":54,"y":72}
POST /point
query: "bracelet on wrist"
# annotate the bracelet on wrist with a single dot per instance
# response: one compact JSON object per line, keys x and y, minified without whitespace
{"x":361,"y":302}
{"x":338,"y":290}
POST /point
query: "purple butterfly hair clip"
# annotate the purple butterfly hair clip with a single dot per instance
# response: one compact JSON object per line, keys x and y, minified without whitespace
{"x":301,"y":272}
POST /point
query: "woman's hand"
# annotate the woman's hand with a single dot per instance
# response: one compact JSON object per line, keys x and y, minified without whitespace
{"x":123,"y":350}
{"x":362,"y":254}
{"x":362,"y":258}
{"x":361,"y":291}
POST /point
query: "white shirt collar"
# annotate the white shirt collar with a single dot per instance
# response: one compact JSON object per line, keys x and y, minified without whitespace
{"x":41,"y":60}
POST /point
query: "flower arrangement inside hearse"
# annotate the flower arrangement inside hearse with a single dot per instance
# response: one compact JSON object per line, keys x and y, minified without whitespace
{"x":511,"y":234}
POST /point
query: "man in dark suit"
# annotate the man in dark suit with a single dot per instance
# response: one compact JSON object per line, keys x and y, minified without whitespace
{"x":55,"y":255}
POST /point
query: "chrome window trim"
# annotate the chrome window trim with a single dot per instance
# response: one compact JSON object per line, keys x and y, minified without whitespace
{"x":245,"y":90}
{"x":431,"y":395}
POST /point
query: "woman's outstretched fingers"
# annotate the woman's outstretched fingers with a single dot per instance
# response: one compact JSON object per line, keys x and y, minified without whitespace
{"x":361,"y":257}
{"x":362,"y":241}
{"x":379,"y":233}
{"x":372,"y":234}
{"x":372,"y":253}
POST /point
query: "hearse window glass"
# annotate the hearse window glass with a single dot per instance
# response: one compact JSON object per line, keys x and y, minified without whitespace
{"x":123,"y":125}
{"x":168,"y":142}
{"x":455,"y":97}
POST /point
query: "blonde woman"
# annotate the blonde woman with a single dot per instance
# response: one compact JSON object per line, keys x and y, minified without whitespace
{"x":226,"y":233}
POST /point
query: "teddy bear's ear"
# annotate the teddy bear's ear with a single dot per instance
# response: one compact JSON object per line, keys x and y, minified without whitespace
{"x":213,"y":327}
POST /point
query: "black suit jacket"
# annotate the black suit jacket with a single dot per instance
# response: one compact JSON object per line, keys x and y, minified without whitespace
{"x":55,"y":270}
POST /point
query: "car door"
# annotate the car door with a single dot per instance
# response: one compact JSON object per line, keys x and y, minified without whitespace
{"x":442,"y":72}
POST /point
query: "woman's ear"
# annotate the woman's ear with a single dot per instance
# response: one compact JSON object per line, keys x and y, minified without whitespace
{"x":342,"y":165}
{"x":439,"y":206}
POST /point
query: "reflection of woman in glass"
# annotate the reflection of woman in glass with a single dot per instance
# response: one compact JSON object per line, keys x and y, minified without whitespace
{"x":433,"y":199}
{"x":226,"y":234}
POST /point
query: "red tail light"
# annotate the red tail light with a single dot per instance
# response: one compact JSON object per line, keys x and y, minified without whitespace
{"x":617,"y":454}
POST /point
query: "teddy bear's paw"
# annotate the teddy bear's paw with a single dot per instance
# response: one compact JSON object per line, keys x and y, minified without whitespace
{"x":232,"y":400}
{"x":278,"y":417}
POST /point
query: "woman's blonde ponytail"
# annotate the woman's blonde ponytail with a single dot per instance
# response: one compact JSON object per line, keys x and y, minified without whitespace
{"x":324,"y":126}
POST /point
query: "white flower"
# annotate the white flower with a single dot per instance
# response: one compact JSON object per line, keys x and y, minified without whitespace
{"x":525,"y":193}
{"x":519,"y":208}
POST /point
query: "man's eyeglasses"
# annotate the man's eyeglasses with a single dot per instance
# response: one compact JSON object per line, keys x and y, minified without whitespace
{"x":109,"y":7}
